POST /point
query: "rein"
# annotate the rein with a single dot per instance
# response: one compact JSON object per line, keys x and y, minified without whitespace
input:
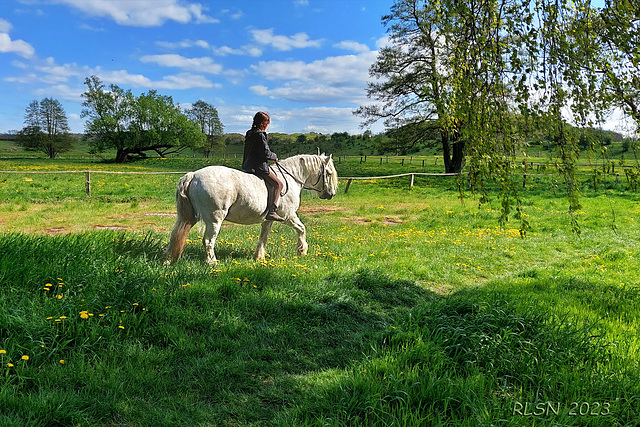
{"x":283,"y":170}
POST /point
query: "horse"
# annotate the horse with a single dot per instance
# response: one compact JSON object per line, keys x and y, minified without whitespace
{"x":217,"y":193}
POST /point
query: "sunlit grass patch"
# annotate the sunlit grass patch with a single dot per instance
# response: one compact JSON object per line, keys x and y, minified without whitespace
{"x":410,"y":308}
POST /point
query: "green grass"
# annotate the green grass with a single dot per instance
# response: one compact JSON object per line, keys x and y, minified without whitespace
{"x":411,"y":308}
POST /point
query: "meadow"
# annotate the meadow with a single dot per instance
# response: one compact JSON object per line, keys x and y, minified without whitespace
{"x":412,"y":307}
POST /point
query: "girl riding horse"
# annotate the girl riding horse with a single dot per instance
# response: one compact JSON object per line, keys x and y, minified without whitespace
{"x":256,"y":155}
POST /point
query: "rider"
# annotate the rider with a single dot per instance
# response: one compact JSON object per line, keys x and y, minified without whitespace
{"x":256,"y":155}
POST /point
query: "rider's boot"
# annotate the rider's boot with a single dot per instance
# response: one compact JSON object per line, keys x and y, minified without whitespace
{"x":272,"y":215}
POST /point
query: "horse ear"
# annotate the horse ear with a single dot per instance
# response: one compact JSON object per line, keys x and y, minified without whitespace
{"x":318,"y":151}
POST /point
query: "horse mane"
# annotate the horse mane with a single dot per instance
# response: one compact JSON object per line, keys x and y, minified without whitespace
{"x":312,"y":162}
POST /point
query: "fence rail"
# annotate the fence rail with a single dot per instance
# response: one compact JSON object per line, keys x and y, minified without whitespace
{"x":349,"y":179}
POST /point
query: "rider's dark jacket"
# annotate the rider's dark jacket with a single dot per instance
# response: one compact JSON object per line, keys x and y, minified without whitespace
{"x":257,"y":152}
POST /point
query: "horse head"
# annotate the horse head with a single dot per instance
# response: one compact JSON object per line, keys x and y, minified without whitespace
{"x":328,"y":176}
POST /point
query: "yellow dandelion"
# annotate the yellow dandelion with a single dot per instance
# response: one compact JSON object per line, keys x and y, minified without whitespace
{"x":84,"y":315}
{"x":10,"y":365}
{"x":3,"y":351}
{"x":135,"y":304}
{"x":121,"y":327}
{"x":59,"y":296}
{"x":25,"y":357}
{"x":62,"y":361}
{"x":63,"y":317}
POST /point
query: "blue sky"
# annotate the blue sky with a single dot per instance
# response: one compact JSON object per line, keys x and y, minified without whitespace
{"x":304,"y":61}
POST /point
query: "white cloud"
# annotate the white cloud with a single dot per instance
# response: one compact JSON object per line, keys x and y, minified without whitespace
{"x":61,"y":91}
{"x":5,"y":26}
{"x":143,"y":13}
{"x":7,"y":45}
{"x":299,"y":40}
{"x":179,"y":81}
{"x":186,"y":43}
{"x":333,"y":79}
{"x":185,"y":81}
{"x":217,"y":50}
{"x":202,"y":65}
{"x":352,"y":46}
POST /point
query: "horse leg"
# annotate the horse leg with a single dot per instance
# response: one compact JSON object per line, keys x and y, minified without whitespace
{"x":211,"y":234}
{"x":296,"y":224}
{"x":262,"y":241}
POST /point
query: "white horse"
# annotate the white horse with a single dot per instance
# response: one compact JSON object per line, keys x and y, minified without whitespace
{"x":216,"y":193}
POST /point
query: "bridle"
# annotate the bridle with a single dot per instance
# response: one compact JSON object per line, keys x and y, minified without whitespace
{"x":283,"y":170}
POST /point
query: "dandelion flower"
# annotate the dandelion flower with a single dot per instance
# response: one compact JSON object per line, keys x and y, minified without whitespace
{"x":10,"y":365}
{"x":121,"y":327}
{"x":3,"y":351}
{"x":25,"y":357}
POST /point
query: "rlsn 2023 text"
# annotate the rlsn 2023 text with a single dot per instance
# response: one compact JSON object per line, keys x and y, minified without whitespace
{"x":575,"y":409}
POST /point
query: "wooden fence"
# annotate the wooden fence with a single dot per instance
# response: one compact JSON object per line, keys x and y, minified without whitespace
{"x":349,"y":179}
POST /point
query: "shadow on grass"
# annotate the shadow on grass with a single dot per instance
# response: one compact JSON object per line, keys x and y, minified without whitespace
{"x":256,"y":345}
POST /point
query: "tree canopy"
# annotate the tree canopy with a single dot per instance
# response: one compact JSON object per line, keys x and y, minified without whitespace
{"x":46,"y":128}
{"x":133,"y":125}
{"x":487,"y":71}
{"x":206,"y":116}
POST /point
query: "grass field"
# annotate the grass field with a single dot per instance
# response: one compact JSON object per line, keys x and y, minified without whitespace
{"x":412,"y":308}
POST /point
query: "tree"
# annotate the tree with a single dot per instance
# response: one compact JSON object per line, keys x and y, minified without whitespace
{"x":46,"y":128}
{"x":206,"y":115}
{"x":132,"y":126}
{"x":487,"y":70}
{"x":618,"y":61}
{"x":445,"y":64}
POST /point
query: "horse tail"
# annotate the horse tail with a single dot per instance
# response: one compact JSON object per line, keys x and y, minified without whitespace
{"x":187,"y":218}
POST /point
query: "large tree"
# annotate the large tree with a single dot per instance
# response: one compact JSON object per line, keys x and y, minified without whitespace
{"x":206,"y":115}
{"x":134,"y":125}
{"x":46,"y":128}
{"x":444,"y":64}
{"x":487,"y":70}
{"x":618,"y":62}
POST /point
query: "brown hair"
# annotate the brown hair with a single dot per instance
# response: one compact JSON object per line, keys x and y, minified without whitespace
{"x":260,"y":118}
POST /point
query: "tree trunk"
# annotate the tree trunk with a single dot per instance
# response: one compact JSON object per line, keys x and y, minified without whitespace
{"x":453,"y":153}
{"x":122,"y":155}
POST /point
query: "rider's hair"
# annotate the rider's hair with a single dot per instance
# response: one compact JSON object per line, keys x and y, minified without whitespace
{"x":260,"y":118}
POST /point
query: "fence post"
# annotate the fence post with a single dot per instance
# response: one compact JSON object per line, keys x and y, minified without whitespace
{"x":412,"y":178}
{"x":348,"y":185}
{"x":87,"y":183}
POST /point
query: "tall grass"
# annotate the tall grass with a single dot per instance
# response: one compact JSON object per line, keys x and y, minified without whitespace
{"x":410,"y":309}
